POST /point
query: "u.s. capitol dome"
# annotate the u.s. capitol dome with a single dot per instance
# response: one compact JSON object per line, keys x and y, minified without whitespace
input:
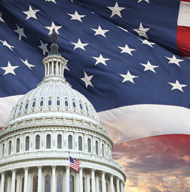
{"x":45,"y":127}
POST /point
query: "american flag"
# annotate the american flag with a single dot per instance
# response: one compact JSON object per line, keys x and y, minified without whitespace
{"x":129,"y":58}
{"x":74,"y":164}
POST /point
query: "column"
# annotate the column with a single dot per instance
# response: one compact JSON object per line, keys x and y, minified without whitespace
{"x":103,"y":182}
{"x":81,"y":179}
{"x":97,"y":184}
{"x":117,"y":185}
{"x":48,"y":70}
{"x":40,"y":179}
{"x":26,"y":179}
{"x":111,"y":183}
{"x":67,"y":178}
{"x":53,"y":179}
{"x":93,"y":180}
{"x":87,"y":182}
{"x":18,"y":183}
{"x":13,"y":180}
{"x":2,"y":181}
{"x":122,"y":189}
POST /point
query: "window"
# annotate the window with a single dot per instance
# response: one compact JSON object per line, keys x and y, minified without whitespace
{"x":71,"y":183}
{"x":100,"y":185}
{"x":74,"y":105}
{"x":70,"y":142}
{"x":33,"y":104}
{"x":10,"y":143}
{"x":96,"y":147}
{"x":41,"y":103}
{"x":27,"y":143}
{"x":59,"y":183}
{"x":5,"y":186}
{"x":58,"y":102}
{"x":18,"y":145}
{"x":107,"y":187}
{"x":83,"y":184}
{"x":48,"y":141}
{"x":49,"y":102}
{"x":35,"y":183}
{"x":15,"y":185}
{"x":102,"y":149}
{"x":19,"y":108}
{"x":47,"y":183}
{"x":80,"y":143}
{"x":59,"y":141}
{"x":3,"y":152}
{"x":66,"y":103}
{"x":80,"y":106}
{"x":86,"y":108}
{"x":37,"y":142}
{"x":22,"y":185}
{"x":89,"y":145}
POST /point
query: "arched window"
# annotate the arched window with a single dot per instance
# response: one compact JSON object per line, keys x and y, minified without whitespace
{"x":99,"y":186}
{"x":102,"y":150}
{"x":33,"y":104}
{"x":47,"y":183}
{"x":96,"y":147}
{"x":80,"y":143}
{"x":3,"y":152}
{"x":35,"y":183}
{"x":89,"y":145}
{"x":59,"y":183}
{"x":10,"y":145}
{"x":37,"y":142}
{"x":58,"y":102}
{"x":83,"y":184}
{"x":27,"y":141}
{"x":48,"y":141}
{"x":59,"y":141}
{"x":18,"y":145}
{"x":66,"y":103}
{"x":22,"y":185}
{"x":49,"y":101}
{"x":72,"y":186}
{"x":70,"y":142}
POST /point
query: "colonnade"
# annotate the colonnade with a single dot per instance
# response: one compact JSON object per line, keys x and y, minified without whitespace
{"x":86,"y":180}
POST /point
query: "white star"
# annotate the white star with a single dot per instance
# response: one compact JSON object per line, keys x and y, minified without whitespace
{"x":27,"y":64}
{"x":145,"y":41}
{"x":53,"y":27}
{"x":9,"y":69}
{"x":76,"y":16}
{"x":142,"y":31}
{"x":149,"y":66}
{"x":177,"y":85}
{"x":100,"y":31}
{"x":31,"y":13}
{"x":7,"y":45}
{"x":100,"y":59}
{"x":87,"y":79}
{"x":116,"y":10}
{"x":123,"y":29}
{"x":43,"y":46}
{"x":20,"y":32}
{"x":144,"y":0}
{"x":128,"y":77}
{"x":51,"y":1}
{"x":80,"y":45}
{"x":174,"y":60}
{"x":126,"y":49}
{"x":1,"y":19}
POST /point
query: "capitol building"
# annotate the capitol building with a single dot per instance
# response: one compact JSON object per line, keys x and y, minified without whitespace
{"x":48,"y":125}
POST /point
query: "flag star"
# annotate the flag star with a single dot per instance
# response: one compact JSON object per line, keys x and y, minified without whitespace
{"x":142,"y":31}
{"x":80,"y":45}
{"x":43,"y":46}
{"x":31,"y":13}
{"x":100,"y":31}
{"x":174,"y":60}
{"x":27,"y":64}
{"x":1,"y":19}
{"x":101,"y":59}
{"x":126,"y":49}
{"x":87,"y":79}
{"x":149,"y":66}
{"x":53,"y":26}
{"x":7,"y":45}
{"x":144,"y":0}
{"x":20,"y":32}
{"x":76,"y":16}
{"x":51,"y":1}
{"x":123,"y":29}
{"x":128,"y":77}
{"x":116,"y":10}
{"x":145,"y":41}
{"x":177,"y":85}
{"x":9,"y":69}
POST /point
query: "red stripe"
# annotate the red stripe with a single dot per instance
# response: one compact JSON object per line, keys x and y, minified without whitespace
{"x":183,"y":40}
{"x":186,"y":0}
{"x":1,"y":128}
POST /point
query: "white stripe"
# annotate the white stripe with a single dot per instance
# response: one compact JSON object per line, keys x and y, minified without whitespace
{"x":184,"y":14}
{"x":6,"y":104}
{"x":137,"y":121}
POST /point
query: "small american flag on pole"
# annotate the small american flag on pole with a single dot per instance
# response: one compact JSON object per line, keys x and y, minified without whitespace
{"x":74,"y":164}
